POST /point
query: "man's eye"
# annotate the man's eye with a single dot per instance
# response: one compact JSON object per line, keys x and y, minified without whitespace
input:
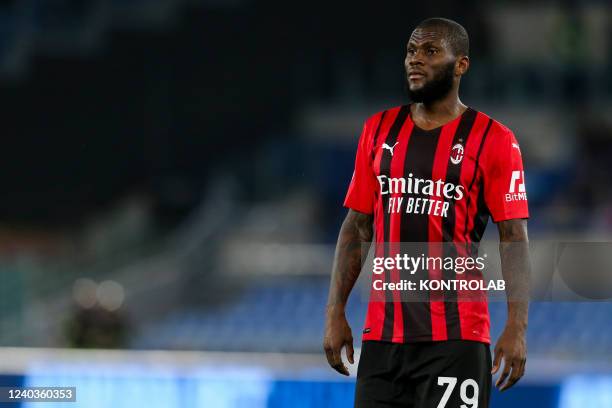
{"x":432,"y":51}
{"x":410,"y":51}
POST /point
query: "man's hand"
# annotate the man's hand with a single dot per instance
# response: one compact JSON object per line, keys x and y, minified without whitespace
{"x":516,"y":269}
{"x":356,"y":230}
{"x":337,"y":335}
{"x":511,"y":346}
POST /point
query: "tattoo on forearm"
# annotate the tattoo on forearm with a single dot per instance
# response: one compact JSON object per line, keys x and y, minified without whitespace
{"x":348,"y":260}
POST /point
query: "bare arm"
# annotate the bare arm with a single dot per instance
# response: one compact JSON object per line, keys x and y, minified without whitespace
{"x":356,"y":230}
{"x":514,"y":251}
{"x":516,"y":269}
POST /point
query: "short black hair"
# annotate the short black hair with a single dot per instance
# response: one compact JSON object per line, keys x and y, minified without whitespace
{"x":454,"y":32}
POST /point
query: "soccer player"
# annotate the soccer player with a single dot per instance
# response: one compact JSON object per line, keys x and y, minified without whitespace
{"x":432,"y":171}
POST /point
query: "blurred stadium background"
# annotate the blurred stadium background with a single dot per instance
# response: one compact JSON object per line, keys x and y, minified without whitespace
{"x":173,"y":173}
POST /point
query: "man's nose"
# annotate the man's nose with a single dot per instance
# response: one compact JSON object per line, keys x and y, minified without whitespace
{"x":415,"y":59}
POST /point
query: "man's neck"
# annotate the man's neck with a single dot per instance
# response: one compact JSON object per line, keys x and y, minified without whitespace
{"x":437,"y":113}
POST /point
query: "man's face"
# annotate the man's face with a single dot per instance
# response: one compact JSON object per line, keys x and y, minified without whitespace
{"x":430,"y":66}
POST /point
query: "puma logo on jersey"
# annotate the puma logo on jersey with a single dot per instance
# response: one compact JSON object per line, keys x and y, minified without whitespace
{"x":389,"y":148}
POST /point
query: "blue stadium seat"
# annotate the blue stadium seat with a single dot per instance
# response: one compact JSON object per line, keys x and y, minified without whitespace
{"x":288,"y":315}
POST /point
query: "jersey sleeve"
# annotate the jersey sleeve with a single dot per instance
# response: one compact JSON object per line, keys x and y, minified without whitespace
{"x":504,"y":177}
{"x":362,"y":189}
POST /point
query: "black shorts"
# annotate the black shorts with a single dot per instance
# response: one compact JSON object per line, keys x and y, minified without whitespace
{"x":422,"y":375}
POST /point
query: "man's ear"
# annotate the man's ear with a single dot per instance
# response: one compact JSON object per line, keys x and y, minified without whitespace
{"x":462,"y":65}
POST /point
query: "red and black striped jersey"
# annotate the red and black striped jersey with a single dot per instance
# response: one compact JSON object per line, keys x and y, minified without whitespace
{"x":434,"y":186}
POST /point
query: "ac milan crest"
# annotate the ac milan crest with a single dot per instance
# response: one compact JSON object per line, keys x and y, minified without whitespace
{"x":456,"y":154}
